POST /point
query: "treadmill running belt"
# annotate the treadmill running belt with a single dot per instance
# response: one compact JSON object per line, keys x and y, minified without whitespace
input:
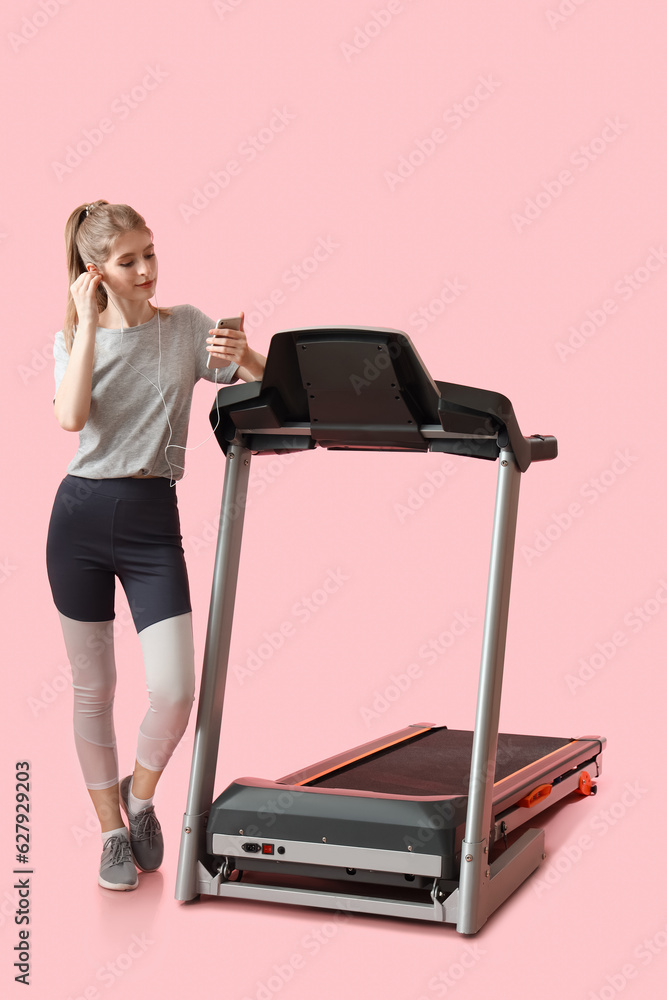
{"x":435,"y":763}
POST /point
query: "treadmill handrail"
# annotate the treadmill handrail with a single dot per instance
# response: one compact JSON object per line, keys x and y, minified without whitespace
{"x":312,"y":389}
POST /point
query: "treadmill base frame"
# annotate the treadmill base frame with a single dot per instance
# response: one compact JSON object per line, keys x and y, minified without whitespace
{"x":500,"y":879}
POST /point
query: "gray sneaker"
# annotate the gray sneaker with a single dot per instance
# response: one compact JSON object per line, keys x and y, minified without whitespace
{"x":117,"y":870}
{"x":145,"y":833}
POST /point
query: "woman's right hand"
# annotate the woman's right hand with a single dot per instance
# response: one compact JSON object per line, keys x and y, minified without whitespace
{"x":84,"y":293}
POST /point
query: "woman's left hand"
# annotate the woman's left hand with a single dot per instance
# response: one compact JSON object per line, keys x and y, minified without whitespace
{"x":232,"y":345}
{"x":229,"y":345}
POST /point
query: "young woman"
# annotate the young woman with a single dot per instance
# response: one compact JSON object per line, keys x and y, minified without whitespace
{"x":125,"y":371}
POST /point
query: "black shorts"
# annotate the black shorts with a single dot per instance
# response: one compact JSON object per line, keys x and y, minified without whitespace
{"x":129,"y":528}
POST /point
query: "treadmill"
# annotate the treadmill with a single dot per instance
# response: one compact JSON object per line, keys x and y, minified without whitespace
{"x":423,"y":823}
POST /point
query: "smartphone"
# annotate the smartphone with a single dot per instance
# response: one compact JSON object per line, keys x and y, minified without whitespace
{"x":231,"y":323}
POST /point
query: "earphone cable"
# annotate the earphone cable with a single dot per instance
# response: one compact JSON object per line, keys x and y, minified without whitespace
{"x":158,"y":387}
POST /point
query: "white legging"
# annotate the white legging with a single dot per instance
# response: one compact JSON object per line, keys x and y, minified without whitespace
{"x":168,"y":653}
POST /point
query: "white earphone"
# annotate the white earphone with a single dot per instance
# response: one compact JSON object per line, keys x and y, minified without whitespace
{"x":172,"y":481}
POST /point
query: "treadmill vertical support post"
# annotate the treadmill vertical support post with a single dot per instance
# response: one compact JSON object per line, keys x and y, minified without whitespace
{"x":214,"y":673}
{"x":474,"y":880}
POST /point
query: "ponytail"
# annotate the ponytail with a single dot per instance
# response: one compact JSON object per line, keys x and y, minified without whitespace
{"x":76,"y":266}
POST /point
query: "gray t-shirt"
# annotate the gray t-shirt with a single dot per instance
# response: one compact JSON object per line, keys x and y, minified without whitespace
{"x":127,"y":429}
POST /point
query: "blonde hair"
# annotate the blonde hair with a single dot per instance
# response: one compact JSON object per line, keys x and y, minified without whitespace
{"x":90,"y":233}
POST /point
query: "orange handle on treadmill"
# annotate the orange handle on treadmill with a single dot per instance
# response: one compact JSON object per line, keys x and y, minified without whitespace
{"x":535,"y":796}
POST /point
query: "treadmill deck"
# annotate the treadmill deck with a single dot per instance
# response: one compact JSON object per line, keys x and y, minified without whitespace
{"x":403,"y":795}
{"x":434,"y":762}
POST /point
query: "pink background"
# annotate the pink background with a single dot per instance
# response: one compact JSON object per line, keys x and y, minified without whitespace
{"x":361,"y":89}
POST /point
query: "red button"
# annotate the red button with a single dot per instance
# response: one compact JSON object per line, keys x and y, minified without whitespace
{"x":267,"y":848}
